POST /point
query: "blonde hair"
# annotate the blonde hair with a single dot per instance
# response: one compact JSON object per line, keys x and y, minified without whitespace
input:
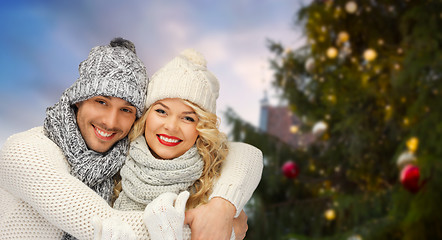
{"x":211,"y":145}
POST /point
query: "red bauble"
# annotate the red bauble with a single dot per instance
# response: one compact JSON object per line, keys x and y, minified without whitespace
{"x":410,"y":178}
{"x":290,"y":169}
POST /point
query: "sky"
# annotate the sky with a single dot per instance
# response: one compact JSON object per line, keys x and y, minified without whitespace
{"x":42,"y":43}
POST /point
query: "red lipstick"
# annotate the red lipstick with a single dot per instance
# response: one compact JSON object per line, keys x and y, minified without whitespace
{"x":168,"y":140}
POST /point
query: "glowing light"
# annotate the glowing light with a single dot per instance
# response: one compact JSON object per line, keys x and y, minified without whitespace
{"x":370,"y":54}
{"x":294,"y":129}
{"x":331,"y":98}
{"x":351,"y":7}
{"x":332,"y":52}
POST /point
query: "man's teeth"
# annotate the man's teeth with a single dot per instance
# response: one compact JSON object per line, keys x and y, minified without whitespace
{"x":169,"y":140}
{"x":104,"y":134}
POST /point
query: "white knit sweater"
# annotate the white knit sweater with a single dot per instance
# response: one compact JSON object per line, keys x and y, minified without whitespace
{"x":39,"y":199}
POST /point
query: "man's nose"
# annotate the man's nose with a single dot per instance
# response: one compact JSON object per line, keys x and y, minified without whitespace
{"x":110,"y":120}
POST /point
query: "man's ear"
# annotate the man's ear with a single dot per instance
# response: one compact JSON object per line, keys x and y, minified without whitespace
{"x":76,"y":106}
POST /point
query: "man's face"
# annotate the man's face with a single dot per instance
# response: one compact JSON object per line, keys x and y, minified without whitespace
{"x":103,"y":121}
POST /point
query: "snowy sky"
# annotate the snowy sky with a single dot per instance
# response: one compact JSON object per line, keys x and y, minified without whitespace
{"x":42,"y":43}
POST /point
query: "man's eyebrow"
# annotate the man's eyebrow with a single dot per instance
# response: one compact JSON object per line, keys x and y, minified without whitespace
{"x":129,"y":104}
{"x":126,"y":102}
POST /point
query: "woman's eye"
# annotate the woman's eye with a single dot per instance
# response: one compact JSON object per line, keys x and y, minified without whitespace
{"x":160,"y":111}
{"x":190,"y":119}
{"x":101,"y":102}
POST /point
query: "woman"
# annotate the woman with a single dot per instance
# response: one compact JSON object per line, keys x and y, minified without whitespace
{"x":176,"y":145}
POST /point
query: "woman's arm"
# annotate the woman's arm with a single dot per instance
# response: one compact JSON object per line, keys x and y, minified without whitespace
{"x":33,"y":169}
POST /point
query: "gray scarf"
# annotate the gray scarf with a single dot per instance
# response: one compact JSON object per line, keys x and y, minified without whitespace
{"x":94,"y":169}
{"x":145,"y":177}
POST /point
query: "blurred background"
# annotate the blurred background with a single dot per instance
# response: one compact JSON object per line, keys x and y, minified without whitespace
{"x":342,"y":96}
{"x":43,"y":42}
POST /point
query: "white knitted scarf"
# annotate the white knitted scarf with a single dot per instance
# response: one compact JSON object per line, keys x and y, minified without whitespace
{"x":145,"y":177}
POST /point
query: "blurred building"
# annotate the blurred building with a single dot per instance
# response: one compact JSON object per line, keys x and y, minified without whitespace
{"x":281,"y":123}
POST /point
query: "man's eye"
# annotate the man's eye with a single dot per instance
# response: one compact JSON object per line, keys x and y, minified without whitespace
{"x":101,"y":102}
{"x":126,"y":110}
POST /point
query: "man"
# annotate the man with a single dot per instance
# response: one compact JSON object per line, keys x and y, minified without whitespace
{"x":83,"y":142}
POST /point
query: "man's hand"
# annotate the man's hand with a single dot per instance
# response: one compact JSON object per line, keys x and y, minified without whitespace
{"x":112,"y":228}
{"x":240,"y":226}
{"x":164,"y":216}
{"x":213,"y":220}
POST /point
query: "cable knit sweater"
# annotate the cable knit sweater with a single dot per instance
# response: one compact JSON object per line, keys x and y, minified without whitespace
{"x":40,"y":199}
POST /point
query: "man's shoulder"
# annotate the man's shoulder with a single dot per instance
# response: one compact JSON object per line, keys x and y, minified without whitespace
{"x":32,"y":148}
{"x":33,"y":136}
{"x":36,"y":132}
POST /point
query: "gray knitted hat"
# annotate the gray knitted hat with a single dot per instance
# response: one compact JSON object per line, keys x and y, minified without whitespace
{"x":113,"y":70}
{"x":186,"y":77}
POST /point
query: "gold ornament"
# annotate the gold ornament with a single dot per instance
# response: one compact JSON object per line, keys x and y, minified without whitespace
{"x":370,"y":55}
{"x":412,"y":144}
{"x":330,"y":214}
{"x":332,"y":52}
{"x":343,"y":37}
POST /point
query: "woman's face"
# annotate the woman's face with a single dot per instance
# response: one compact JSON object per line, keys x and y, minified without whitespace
{"x":170,"y":128}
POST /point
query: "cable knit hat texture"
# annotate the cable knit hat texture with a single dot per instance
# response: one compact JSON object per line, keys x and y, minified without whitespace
{"x":112,"y":70}
{"x":186,"y":77}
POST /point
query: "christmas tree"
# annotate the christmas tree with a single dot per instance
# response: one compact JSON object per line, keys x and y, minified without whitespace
{"x":367,"y":84}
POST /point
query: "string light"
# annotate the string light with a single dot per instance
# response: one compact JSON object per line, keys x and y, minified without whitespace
{"x":332,"y":52}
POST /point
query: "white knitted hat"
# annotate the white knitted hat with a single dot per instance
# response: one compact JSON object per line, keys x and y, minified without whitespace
{"x":185,"y":77}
